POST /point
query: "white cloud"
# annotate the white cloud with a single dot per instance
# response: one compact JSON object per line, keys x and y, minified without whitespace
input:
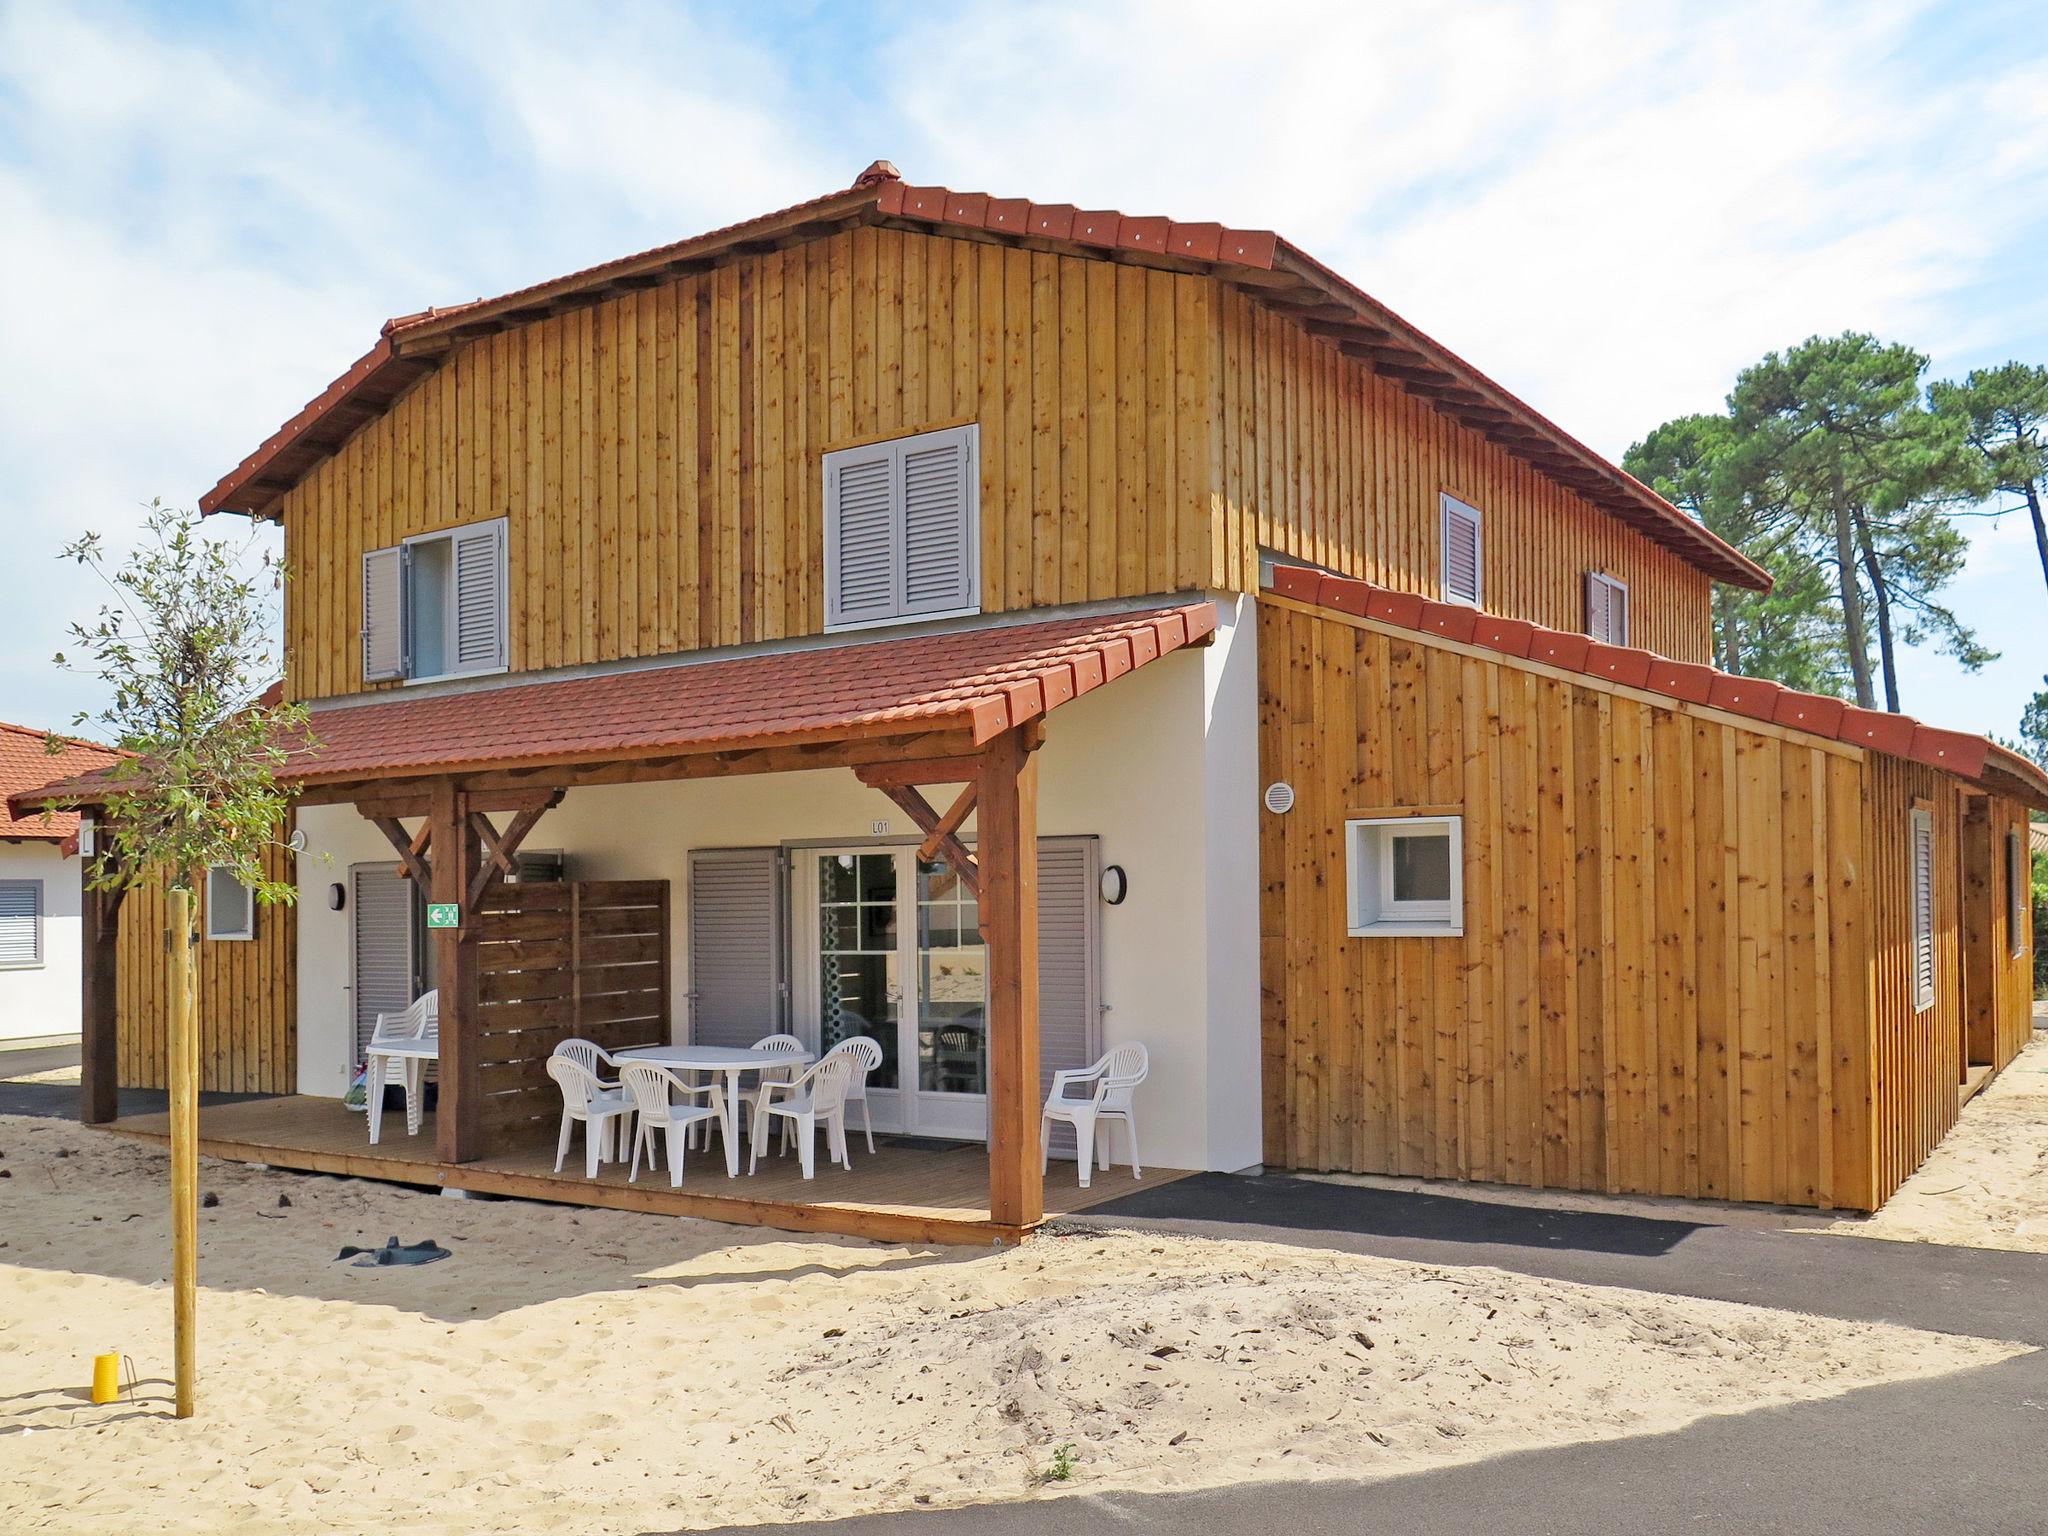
{"x":1610,"y":207}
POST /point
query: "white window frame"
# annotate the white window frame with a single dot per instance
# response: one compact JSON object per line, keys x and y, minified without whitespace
{"x":407,"y":659}
{"x":36,"y":919}
{"x":830,"y":461}
{"x":1921,"y":825}
{"x":213,"y":929}
{"x":2019,"y":872}
{"x":1616,"y":588}
{"x":1445,"y":502}
{"x":1369,"y":878}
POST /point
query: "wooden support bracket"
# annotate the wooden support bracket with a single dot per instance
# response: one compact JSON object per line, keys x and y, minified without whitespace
{"x":931,"y":823}
{"x":501,"y":850}
{"x":411,"y":851}
{"x":948,"y":825}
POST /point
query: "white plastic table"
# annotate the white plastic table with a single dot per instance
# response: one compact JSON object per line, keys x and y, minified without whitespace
{"x":729,"y":1062}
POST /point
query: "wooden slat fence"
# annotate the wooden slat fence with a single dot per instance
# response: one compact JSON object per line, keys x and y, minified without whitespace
{"x":585,"y":959}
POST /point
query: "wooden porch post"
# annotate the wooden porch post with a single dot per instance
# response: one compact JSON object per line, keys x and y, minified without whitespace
{"x":1007,"y":856}
{"x":99,"y":1075}
{"x":452,"y":846}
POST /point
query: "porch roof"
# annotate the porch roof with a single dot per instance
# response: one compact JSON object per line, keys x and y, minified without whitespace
{"x":975,"y":683}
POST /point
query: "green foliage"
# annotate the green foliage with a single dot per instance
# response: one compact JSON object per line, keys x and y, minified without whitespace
{"x":2003,"y":414}
{"x":1064,"y":1461}
{"x":1789,"y":634}
{"x":2034,"y":727}
{"x":1830,"y":472}
{"x":185,"y":647}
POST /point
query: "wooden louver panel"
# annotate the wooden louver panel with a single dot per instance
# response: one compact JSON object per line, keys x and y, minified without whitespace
{"x":1606,"y":609}
{"x":1069,"y":991}
{"x":861,"y":538}
{"x":479,"y":564}
{"x":738,"y":991}
{"x":1923,"y":909}
{"x":1461,"y":579}
{"x":383,"y":629}
{"x":938,"y":544}
{"x":380,"y":904}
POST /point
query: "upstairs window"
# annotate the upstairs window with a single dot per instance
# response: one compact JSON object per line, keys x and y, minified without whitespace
{"x":1406,"y":875}
{"x":1463,"y":571}
{"x":21,"y":924}
{"x":230,"y":906}
{"x":1606,"y":608}
{"x":434,"y":606}
{"x":1922,"y":823}
{"x":903,"y":529}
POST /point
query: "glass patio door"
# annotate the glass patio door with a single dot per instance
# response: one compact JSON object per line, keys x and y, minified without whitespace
{"x":897,"y":955}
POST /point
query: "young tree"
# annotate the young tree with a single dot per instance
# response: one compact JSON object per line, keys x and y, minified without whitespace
{"x":2003,"y":414}
{"x":2034,"y":726}
{"x":1831,"y":434}
{"x":184,"y":648}
{"x":1791,"y":634}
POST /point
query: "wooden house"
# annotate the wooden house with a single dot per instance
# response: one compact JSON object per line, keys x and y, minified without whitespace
{"x":1006,"y":629}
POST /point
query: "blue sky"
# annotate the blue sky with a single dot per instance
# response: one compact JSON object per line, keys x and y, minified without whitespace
{"x":206,"y":211}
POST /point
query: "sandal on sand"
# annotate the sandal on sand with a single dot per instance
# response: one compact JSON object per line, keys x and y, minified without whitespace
{"x":392,"y":1253}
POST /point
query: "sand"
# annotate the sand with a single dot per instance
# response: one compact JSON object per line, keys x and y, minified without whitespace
{"x":583,"y":1371}
{"x":1986,"y":1185}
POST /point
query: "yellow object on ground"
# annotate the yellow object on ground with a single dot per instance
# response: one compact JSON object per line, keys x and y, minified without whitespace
{"x":106,"y":1377}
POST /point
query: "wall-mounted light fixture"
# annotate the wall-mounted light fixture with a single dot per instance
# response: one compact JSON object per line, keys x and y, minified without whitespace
{"x":337,"y":897}
{"x":1115,"y":884}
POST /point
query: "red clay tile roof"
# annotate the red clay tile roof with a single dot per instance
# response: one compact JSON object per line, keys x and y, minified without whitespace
{"x":1970,"y":757}
{"x":1280,"y":273}
{"x":25,"y":765}
{"x":979,"y":682}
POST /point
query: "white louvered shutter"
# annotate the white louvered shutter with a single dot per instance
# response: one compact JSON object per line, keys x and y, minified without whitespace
{"x":1606,"y":609}
{"x":478,"y":560}
{"x":21,"y":923}
{"x":738,"y":979}
{"x":380,"y":906}
{"x":1462,"y":573}
{"x":1069,"y":948}
{"x":863,"y":536}
{"x":383,"y":615}
{"x":1923,"y":909}
{"x":940,"y":553}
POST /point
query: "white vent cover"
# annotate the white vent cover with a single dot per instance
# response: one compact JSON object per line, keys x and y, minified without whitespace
{"x":1279,"y":798}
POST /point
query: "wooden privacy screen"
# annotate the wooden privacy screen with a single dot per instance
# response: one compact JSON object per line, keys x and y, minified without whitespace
{"x":585,"y":959}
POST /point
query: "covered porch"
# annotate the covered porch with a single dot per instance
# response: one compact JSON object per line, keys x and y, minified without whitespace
{"x":453,"y":787}
{"x":908,"y":1191}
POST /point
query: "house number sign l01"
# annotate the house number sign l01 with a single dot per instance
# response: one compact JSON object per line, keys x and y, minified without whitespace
{"x":443,"y":914}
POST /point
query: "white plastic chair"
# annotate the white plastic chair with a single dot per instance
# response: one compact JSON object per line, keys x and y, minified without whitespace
{"x":817,"y":1098}
{"x":1115,"y":1080}
{"x":775,"y":1074}
{"x":650,"y":1086}
{"x":408,"y":1041}
{"x":586,"y":1097}
{"x":867,"y":1055}
{"x":598,"y":1062}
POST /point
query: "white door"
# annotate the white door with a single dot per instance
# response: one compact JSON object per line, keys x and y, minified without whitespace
{"x":892,"y":950}
{"x":387,"y":954}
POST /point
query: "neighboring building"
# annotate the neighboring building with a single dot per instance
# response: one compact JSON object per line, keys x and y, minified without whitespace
{"x":39,"y":893}
{"x":1436,"y":846}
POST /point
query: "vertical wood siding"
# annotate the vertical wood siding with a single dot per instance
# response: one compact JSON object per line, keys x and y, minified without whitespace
{"x":1329,"y":462}
{"x":657,"y":456}
{"x":248,"y":1004}
{"x":1661,"y":986}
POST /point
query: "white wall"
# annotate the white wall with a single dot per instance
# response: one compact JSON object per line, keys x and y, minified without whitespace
{"x":44,"y":1000}
{"x":1161,"y":765}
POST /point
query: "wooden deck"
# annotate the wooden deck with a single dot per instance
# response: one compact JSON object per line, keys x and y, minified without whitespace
{"x":902,"y":1193}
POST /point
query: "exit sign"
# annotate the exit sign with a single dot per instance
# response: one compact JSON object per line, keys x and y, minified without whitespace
{"x":443,"y":914}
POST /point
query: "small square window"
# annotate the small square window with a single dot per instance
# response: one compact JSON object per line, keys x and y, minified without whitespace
{"x":21,"y":924}
{"x":230,"y":906}
{"x":1406,"y":875}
